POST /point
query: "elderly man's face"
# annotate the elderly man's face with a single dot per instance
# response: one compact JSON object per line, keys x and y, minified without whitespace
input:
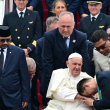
{"x":74,"y":65}
{"x":21,"y":4}
{"x":5,"y":42}
{"x":103,"y":46}
{"x":31,"y":74}
{"x":66,"y":25}
{"x":94,"y":8}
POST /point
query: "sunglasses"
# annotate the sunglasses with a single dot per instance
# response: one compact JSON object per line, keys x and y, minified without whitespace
{"x":5,"y":40}
{"x":101,"y":47}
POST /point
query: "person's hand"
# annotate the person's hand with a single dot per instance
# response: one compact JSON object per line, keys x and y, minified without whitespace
{"x":30,"y":8}
{"x":79,"y":96}
{"x":84,"y":15}
{"x":24,"y":104}
{"x":87,"y":101}
{"x":26,"y":52}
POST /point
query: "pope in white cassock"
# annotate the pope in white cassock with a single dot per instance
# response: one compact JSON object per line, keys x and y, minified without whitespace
{"x":62,"y":87}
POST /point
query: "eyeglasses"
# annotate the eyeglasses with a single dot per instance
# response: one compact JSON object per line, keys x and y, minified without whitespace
{"x":5,"y":40}
{"x":101,"y":47}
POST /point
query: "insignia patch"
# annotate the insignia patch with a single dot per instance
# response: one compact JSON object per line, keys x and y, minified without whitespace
{"x":34,"y":43}
{"x":31,"y":22}
{"x":101,"y":26}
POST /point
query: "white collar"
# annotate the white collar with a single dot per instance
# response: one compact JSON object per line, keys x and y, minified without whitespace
{"x":18,"y":11}
{"x":95,"y":15}
{"x":67,"y":37}
{"x":5,"y":50}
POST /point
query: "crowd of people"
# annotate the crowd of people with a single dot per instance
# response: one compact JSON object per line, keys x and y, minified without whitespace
{"x":72,"y":65}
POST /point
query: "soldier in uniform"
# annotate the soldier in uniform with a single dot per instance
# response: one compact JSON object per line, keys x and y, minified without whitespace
{"x":95,"y":21}
{"x":25,"y":27}
{"x":84,"y":11}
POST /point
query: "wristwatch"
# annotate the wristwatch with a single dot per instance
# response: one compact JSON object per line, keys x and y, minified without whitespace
{"x":29,"y":50}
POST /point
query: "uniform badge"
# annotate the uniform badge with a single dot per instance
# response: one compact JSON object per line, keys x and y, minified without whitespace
{"x":31,"y":22}
{"x":101,"y":26}
{"x":34,"y":43}
{"x":16,"y":29}
{"x":74,"y":41}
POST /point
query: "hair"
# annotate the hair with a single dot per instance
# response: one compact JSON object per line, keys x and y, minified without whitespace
{"x":67,"y":12}
{"x":80,"y":84}
{"x":107,"y":28}
{"x":51,"y":20}
{"x":55,"y":2}
{"x":30,"y":64}
{"x":99,"y":34}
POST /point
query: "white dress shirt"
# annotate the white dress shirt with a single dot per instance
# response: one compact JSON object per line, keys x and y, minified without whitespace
{"x":94,"y":16}
{"x":21,"y":11}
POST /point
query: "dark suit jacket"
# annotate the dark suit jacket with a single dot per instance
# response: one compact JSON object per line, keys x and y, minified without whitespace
{"x":90,"y":52}
{"x":39,"y":57}
{"x":101,"y":23}
{"x":55,"y":56}
{"x":83,"y":7}
{"x":26,"y":33}
{"x":15,"y":78}
{"x":103,"y":79}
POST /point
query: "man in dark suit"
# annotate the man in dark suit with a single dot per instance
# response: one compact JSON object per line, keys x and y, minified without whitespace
{"x":59,"y":43}
{"x":88,"y":87}
{"x":51,"y":23}
{"x":25,"y":27}
{"x":95,"y":21}
{"x":84,"y":11}
{"x":14,"y":79}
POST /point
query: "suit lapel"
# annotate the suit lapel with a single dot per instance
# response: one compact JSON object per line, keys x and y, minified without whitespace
{"x":88,"y":22}
{"x":16,"y":17}
{"x":96,"y":23}
{"x":8,"y":57}
{"x":26,"y":16}
{"x":61,"y":42}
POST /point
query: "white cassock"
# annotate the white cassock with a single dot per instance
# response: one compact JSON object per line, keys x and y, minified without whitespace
{"x":62,"y":89}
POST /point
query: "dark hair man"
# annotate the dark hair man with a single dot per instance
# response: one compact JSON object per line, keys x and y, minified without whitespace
{"x":101,"y":42}
{"x":100,"y":84}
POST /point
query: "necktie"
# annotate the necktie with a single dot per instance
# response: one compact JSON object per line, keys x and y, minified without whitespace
{"x":1,"y":60}
{"x":21,"y":16}
{"x":93,"y":19}
{"x":66,"y":44}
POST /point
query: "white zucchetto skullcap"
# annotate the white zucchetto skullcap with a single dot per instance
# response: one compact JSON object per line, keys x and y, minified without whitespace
{"x":74,"y":55}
